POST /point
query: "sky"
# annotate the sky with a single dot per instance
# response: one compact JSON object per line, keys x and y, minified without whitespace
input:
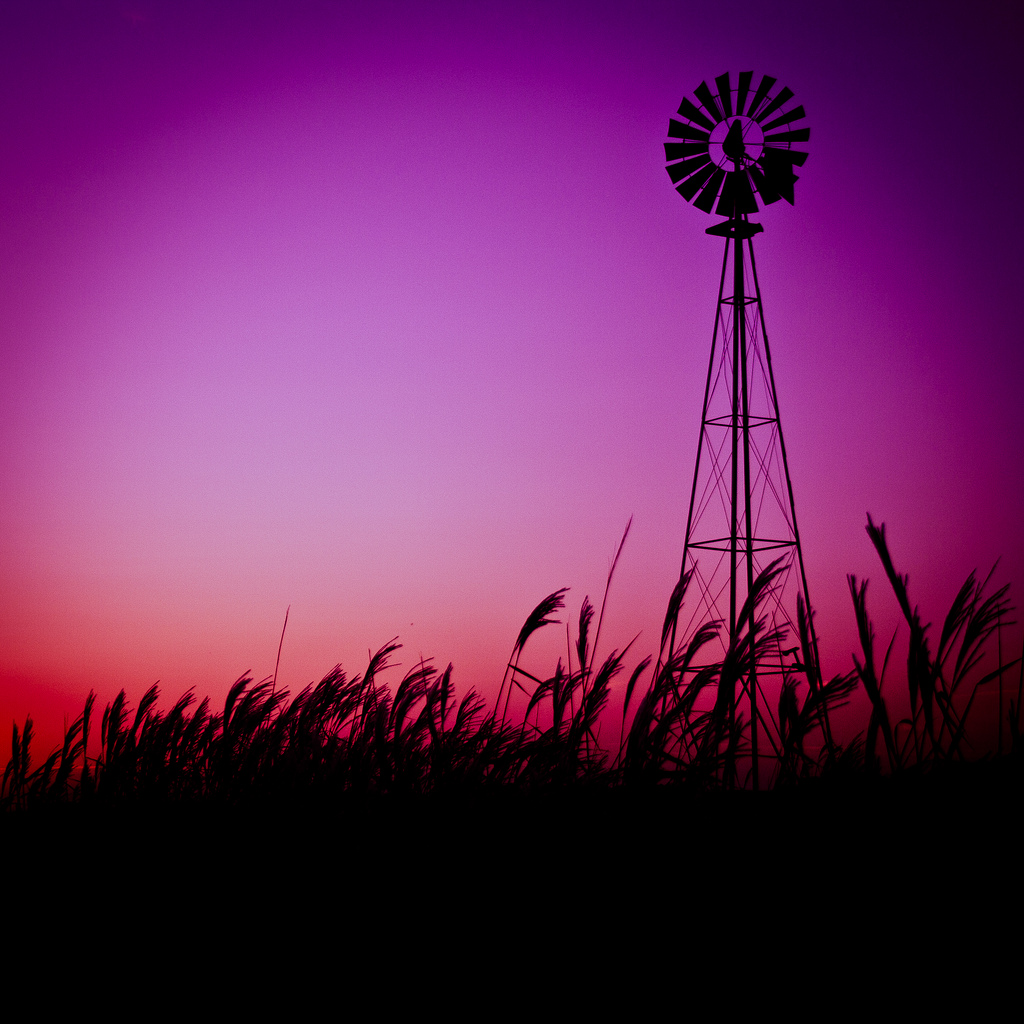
{"x":388,"y":314}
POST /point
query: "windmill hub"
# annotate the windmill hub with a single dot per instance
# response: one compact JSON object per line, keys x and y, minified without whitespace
{"x":739,"y":140}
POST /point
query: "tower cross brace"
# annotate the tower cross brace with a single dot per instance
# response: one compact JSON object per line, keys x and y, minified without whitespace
{"x":742,"y":514}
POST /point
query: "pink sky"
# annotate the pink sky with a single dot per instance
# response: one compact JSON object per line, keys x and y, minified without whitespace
{"x":389,"y":313}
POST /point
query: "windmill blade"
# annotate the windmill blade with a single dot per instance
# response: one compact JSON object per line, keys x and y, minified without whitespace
{"x":689,"y":188}
{"x":737,"y":196}
{"x":709,"y":193}
{"x":784,"y":94}
{"x":704,"y":94}
{"x":683,"y":170}
{"x":678,"y":150}
{"x":743,"y":89}
{"x":800,"y":135}
{"x":745,"y":201}
{"x":780,"y":156}
{"x":764,"y":190}
{"x":724,"y":94}
{"x":793,"y":115}
{"x":678,"y":130}
{"x":783,"y":186}
{"x":726,"y":202}
{"x":778,"y":160}
{"x":694,"y":114}
{"x":762,"y":91}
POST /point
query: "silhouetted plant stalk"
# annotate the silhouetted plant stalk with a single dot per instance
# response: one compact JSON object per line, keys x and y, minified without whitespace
{"x":685,"y":726}
{"x":689,"y":726}
{"x":940,"y":689}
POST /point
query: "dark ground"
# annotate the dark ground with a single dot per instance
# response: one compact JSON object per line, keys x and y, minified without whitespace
{"x":942,"y":828}
{"x":853,"y":887}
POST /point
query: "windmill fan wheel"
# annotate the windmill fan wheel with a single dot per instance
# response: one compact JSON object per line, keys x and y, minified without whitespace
{"x":735,"y":145}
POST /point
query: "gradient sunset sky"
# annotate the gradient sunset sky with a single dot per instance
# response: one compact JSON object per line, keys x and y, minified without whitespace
{"x":388,"y":312}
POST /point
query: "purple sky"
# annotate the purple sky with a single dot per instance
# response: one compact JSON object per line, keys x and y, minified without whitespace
{"x":389,"y":313}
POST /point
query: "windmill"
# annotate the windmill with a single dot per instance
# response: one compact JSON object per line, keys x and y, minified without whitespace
{"x":729,"y":150}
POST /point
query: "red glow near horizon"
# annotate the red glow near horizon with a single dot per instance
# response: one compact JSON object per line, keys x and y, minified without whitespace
{"x":394,"y":317}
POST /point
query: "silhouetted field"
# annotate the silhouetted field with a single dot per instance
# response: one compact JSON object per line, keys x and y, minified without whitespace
{"x":353,"y":774}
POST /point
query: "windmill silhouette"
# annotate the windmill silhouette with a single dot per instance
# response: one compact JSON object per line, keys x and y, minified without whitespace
{"x":731,"y":148}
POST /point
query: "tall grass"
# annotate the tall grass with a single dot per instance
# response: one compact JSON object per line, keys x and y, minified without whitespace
{"x":943,"y":686}
{"x":681,"y":721}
